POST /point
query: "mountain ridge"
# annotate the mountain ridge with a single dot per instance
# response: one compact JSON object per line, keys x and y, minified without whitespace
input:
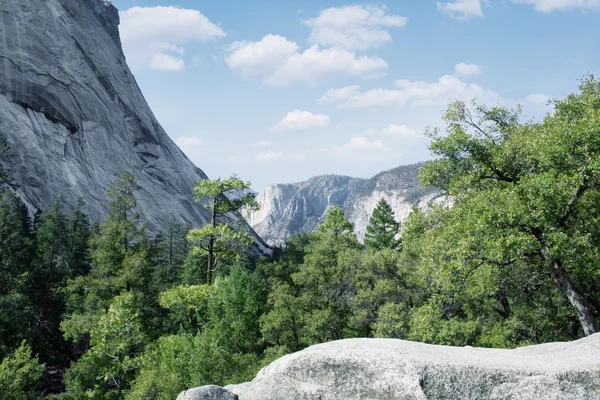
{"x":292,"y":208}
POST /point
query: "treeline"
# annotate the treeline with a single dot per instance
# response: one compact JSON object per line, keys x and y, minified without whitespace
{"x":106,"y":311}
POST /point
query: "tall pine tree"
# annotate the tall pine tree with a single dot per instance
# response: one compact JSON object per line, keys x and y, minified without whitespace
{"x":382,"y":231}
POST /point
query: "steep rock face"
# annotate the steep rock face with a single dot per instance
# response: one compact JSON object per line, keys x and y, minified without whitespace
{"x":301,"y":207}
{"x":398,"y":369}
{"x":74,"y":117}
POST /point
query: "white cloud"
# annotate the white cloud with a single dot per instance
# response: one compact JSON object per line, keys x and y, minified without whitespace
{"x":399,"y":131}
{"x":278,"y":61}
{"x":268,"y":156}
{"x":362,"y":143}
{"x":264,"y":143}
{"x":537,"y":99}
{"x":190,"y":145}
{"x":418,"y":93}
{"x":338,"y":95}
{"x":461,"y":9}
{"x":149,"y":33}
{"x":357,"y":27}
{"x":463,"y":70}
{"x":301,"y":120}
{"x":561,"y":5}
{"x":166,"y":62}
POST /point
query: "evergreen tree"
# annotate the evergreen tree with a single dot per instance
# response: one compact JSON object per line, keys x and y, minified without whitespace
{"x":171,"y":247}
{"x":220,"y":240}
{"x":50,"y":271}
{"x":382,"y":231}
{"x":78,"y":241}
{"x":316,"y":307}
{"x":16,"y":253}
{"x":121,"y":261}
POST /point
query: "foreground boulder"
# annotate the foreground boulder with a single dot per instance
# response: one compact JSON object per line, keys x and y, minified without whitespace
{"x":210,"y":392}
{"x":398,"y":369}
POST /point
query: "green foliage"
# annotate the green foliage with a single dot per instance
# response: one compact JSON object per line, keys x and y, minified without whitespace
{"x":222,"y":240}
{"x":224,"y":348}
{"x":121,"y":260}
{"x":20,"y":374}
{"x":16,"y":250}
{"x":383,"y":229}
{"x":521,"y":229}
{"x":108,"y":367}
{"x":513,"y":261}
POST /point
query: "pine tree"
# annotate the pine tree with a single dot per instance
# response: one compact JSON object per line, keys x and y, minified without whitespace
{"x":50,"y":270}
{"x":220,"y":240}
{"x":382,"y":231}
{"x":16,"y":251}
{"x":121,"y":260}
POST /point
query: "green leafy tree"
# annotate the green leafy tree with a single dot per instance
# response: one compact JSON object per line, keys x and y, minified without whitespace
{"x":219,"y":240}
{"x":111,"y":363}
{"x":383,"y":229}
{"x":526,"y":202}
{"x":224,"y":347}
{"x":20,"y":374}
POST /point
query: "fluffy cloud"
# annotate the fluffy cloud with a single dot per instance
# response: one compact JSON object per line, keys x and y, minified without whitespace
{"x":462,"y":9}
{"x":268,"y":156}
{"x":358,"y":27}
{"x":167,"y":62}
{"x":418,"y":93}
{"x":399,"y":131}
{"x":278,"y":61}
{"x":537,"y":99}
{"x":561,"y":5}
{"x":153,"y":37}
{"x":358,"y":143}
{"x":463,"y":70}
{"x":301,"y":120}
{"x":338,"y":95}
{"x":191,"y":146}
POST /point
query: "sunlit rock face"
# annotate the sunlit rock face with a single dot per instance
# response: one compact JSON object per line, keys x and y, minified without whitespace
{"x":382,"y":369}
{"x":288,"y":209}
{"x":74,"y":117}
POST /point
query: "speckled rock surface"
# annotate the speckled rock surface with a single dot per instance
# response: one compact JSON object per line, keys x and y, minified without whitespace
{"x":210,"y":392}
{"x":301,"y":207}
{"x":75,"y":118}
{"x":397,"y":369}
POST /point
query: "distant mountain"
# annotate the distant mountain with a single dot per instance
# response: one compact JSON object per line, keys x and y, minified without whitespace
{"x":292,"y":208}
{"x":74,"y":117}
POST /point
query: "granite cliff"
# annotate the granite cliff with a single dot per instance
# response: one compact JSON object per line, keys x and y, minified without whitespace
{"x":301,"y":207}
{"x":74,"y":117}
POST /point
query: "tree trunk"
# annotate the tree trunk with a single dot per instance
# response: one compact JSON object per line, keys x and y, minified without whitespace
{"x":211,"y":244}
{"x":581,"y":306}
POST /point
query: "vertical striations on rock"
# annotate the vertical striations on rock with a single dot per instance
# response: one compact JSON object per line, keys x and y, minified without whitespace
{"x":74,"y":117}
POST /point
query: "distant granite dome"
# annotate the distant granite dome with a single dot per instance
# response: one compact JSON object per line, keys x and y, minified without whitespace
{"x":288,"y":209}
{"x":74,"y":117}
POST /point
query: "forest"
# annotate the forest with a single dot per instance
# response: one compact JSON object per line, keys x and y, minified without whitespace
{"x":105,"y":310}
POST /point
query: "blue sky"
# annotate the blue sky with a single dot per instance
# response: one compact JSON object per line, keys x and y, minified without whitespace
{"x":279,"y":91}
